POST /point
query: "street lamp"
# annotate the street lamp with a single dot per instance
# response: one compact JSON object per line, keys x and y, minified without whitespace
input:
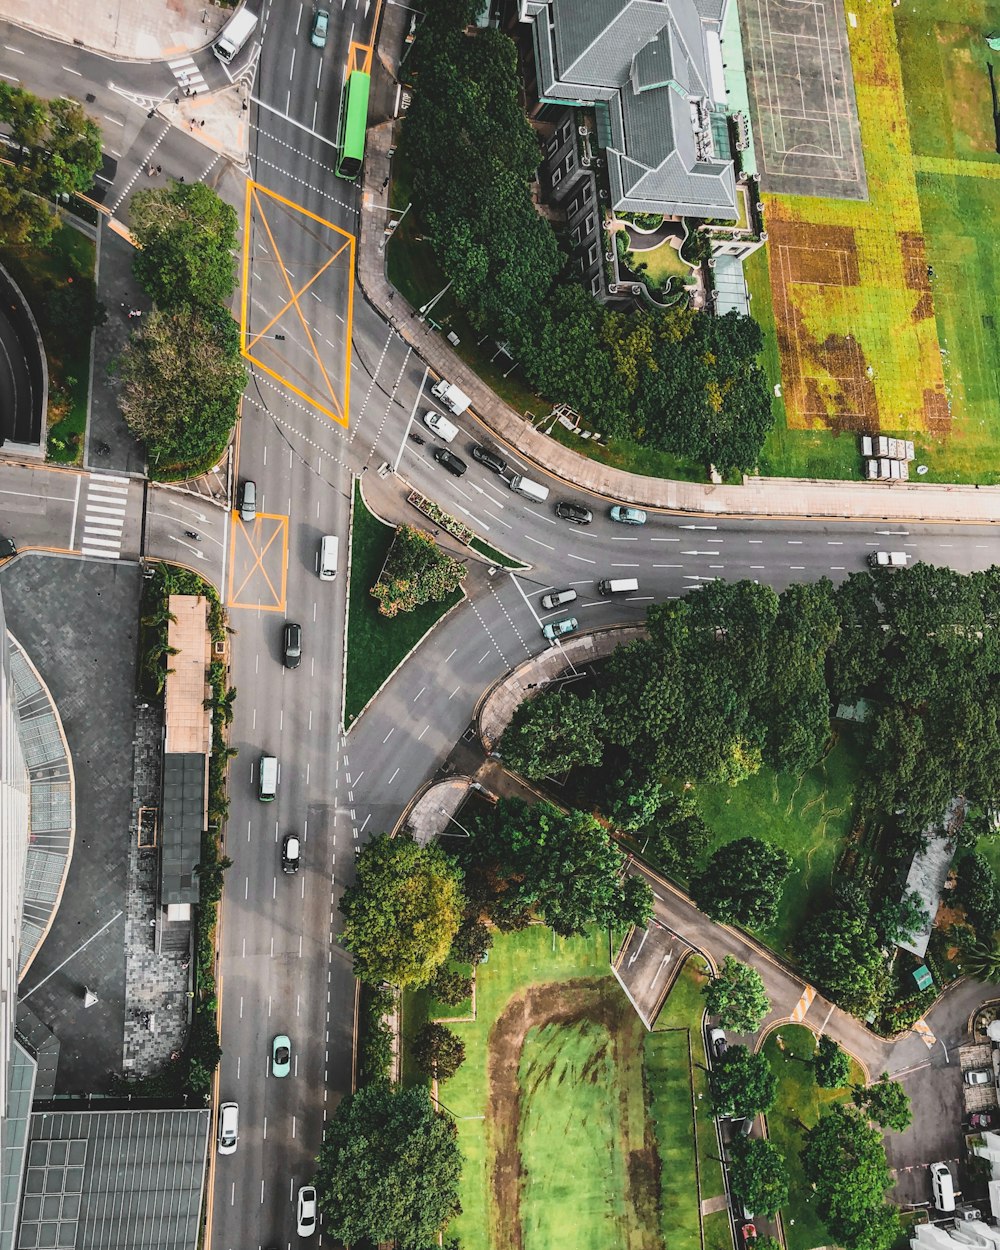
{"x":464,"y":834}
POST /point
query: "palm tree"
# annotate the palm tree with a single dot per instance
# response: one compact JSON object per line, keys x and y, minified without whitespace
{"x":982,"y":960}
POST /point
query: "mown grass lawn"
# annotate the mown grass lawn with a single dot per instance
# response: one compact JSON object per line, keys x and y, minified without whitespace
{"x":810,"y":816}
{"x":799,"y":1105}
{"x":375,"y":643}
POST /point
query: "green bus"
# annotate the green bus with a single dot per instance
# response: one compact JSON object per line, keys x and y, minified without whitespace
{"x":353,"y":124}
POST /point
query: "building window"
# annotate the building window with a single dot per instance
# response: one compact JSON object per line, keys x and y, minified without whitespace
{"x":567,"y":131}
{"x":592,"y":254}
{"x":553,"y":145}
{"x":595,"y":285}
{"x":589,"y":223}
{"x":577,"y":235}
{"x":556,"y":177}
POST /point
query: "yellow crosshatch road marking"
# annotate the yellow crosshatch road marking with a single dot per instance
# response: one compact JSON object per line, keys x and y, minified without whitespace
{"x":258,"y":563}
{"x":268,"y":211}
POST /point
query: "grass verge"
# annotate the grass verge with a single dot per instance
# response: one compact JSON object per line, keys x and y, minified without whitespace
{"x":375,"y":643}
{"x":799,"y":1105}
{"x":498,"y":557}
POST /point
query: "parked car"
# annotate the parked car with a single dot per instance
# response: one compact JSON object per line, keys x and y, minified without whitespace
{"x":7,"y":548}
{"x":320,"y":26}
{"x":292,"y":645}
{"x":229,"y":1127}
{"x":558,"y":628}
{"x":281,"y":1056}
{"x":291,"y":853}
{"x":454,"y":464}
{"x":980,"y":1120}
{"x":628,"y":516}
{"x":557,"y":598}
{"x":306,"y":1214}
{"x":568,"y":510}
{"x":488,"y":457}
{"x":978,"y":1076}
{"x":717,"y":1043}
{"x":943,"y":1187}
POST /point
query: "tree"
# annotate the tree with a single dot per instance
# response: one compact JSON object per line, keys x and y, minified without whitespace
{"x":898,"y":922}
{"x":830,"y":1064}
{"x":758,"y":1174}
{"x":562,"y":866}
{"x":182,"y":380}
{"x":416,"y":571}
{"x":186,"y":240}
{"x":437,"y":1051}
{"x":982,"y":960}
{"x":450,"y":987}
{"x":554,"y":732}
{"x":743,"y":1083}
{"x":472,"y":942}
{"x":676,"y":837}
{"x":737,"y":996}
{"x":402,"y":912}
{"x":839,"y":951}
{"x":886,"y":1102}
{"x":389,"y":1168}
{"x":742,"y":883}
{"x":977,"y":890}
{"x":844,"y":1159}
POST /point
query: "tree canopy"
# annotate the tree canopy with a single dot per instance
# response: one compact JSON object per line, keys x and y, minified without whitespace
{"x":978,"y":891}
{"x":526,"y":860}
{"x":743,"y":1083}
{"x":830,"y":1064}
{"x":737,"y":996}
{"x":742,"y":883}
{"x":402,"y":912}
{"x":556,"y":731}
{"x":416,"y":571}
{"x":186,"y":239}
{"x":840,"y":952}
{"x":758,"y":1174}
{"x":886,"y":1102}
{"x":389,"y":1168}
{"x":437,"y":1051}
{"x":844,"y":1159}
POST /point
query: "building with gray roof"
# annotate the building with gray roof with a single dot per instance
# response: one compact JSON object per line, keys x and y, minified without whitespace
{"x":652,"y":72}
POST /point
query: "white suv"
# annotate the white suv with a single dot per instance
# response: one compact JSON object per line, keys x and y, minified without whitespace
{"x":229,"y":1127}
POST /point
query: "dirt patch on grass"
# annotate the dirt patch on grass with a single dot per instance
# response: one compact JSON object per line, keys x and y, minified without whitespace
{"x":568,"y":1003}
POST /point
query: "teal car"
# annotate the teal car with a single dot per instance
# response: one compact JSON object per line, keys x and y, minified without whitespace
{"x":281,"y":1056}
{"x":320,"y":26}
{"x":557,"y":628}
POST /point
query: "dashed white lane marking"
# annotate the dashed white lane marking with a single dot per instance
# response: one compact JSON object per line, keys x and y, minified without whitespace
{"x":486,"y":628}
{"x":104,"y":515}
{"x":510,"y":619}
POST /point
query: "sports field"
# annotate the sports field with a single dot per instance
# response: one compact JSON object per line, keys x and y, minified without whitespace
{"x":577,"y":1126}
{"x":883,"y":310}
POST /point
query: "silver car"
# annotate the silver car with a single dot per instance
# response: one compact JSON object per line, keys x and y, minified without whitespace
{"x":557,"y":598}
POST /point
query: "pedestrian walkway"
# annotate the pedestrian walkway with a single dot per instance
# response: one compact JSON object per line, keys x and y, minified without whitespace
{"x":189,"y":77}
{"x":104,"y":515}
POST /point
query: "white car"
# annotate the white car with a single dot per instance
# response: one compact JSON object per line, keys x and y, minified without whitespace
{"x":557,"y":598}
{"x":306,"y":1214}
{"x":979,"y":1076}
{"x":440,"y":426}
{"x":229,"y":1128}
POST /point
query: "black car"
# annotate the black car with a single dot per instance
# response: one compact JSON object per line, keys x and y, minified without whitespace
{"x":7,"y":548}
{"x":291,"y":853}
{"x":454,"y":464}
{"x":292,"y":644}
{"x":490,"y":458}
{"x":574,"y":512}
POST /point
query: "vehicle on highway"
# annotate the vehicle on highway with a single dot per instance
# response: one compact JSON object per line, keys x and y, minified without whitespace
{"x":329,"y":551}
{"x":439,"y":425}
{"x":530,"y":490}
{"x":557,"y":628}
{"x":248,"y":501}
{"x":320,"y":26}
{"x":292,"y":645}
{"x":454,"y":400}
{"x":353,"y":125}
{"x":978,"y":1076}
{"x":229,"y":1127}
{"x":569,"y":510}
{"x":291,"y":853}
{"x":628,"y":516}
{"x":281,"y":1056}
{"x":887,"y":559}
{"x":617,"y":586}
{"x":267,"y":778}
{"x":557,"y":598}
{"x":306,"y":1215}
{"x":488,"y":457}
{"x":943,"y":1187}
{"x":234,"y":34}
{"x":454,"y":464}
{"x":717,"y":1043}
{"x":8,"y":548}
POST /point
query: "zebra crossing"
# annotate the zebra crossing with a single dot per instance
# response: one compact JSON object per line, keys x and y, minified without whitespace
{"x":104,"y":515}
{"x":189,"y":77}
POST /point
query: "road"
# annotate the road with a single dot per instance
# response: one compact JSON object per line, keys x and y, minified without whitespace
{"x":323,"y":355}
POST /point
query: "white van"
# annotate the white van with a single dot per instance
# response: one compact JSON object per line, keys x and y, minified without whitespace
{"x":329,"y":550}
{"x":267,"y":781}
{"x":617,"y":585}
{"x":234,"y":34}
{"x":229,"y":1128}
{"x":530,"y":490}
{"x":943,"y":1185}
{"x":440,"y":426}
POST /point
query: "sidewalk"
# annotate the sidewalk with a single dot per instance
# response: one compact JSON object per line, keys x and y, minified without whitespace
{"x":757,"y":497}
{"x":148,"y":31}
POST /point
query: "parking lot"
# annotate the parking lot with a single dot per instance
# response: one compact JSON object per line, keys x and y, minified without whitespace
{"x":647,"y":965}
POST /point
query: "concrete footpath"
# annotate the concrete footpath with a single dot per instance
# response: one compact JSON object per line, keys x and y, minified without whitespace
{"x":146,"y":31}
{"x":757,"y":497}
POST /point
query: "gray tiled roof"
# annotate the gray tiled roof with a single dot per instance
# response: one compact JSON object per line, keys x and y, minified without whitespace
{"x":648,"y":60}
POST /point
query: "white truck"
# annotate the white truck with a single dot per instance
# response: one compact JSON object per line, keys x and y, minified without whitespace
{"x":454,"y":400}
{"x":234,"y":34}
{"x":888,"y":559}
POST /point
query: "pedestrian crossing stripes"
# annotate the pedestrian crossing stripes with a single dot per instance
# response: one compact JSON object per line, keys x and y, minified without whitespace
{"x":803,"y":1005}
{"x":104,"y":515}
{"x":189,"y":77}
{"x":926,"y":1036}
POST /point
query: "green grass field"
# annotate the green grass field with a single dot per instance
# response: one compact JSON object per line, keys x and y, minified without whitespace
{"x":584,"y":1155}
{"x":376,"y":644}
{"x":810,"y":816}
{"x":799,"y":1105}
